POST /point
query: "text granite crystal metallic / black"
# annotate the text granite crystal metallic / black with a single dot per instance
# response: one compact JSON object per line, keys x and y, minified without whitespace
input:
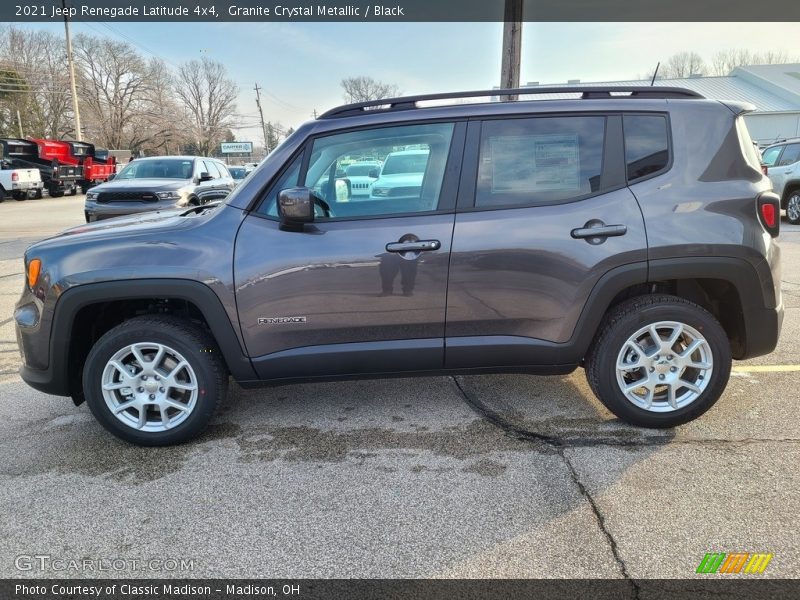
{"x":632,"y":235}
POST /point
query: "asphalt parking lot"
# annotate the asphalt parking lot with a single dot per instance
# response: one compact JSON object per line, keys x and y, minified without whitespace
{"x":485,"y":476}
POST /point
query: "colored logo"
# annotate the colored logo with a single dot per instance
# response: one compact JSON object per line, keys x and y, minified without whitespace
{"x":735,"y":562}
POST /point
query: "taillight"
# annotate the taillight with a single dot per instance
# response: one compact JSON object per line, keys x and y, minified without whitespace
{"x":768,"y":206}
{"x":15,"y":177}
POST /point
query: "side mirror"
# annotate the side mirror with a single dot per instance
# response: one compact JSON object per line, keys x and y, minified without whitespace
{"x":205,"y":176}
{"x":295,"y":208}
{"x":373,"y":173}
{"x":340,"y":174}
{"x":111,"y":176}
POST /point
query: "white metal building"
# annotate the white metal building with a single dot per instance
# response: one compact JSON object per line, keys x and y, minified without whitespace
{"x":773,"y":89}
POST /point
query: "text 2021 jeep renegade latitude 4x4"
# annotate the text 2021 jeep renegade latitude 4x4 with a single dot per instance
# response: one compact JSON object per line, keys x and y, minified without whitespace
{"x":628,"y":231}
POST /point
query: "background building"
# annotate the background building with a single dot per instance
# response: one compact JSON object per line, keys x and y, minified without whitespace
{"x":773,"y":89}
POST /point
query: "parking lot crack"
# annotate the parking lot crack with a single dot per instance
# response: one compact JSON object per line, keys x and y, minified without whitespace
{"x":559,"y":446}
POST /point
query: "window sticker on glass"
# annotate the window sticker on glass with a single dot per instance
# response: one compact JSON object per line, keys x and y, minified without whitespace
{"x":535,"y":163}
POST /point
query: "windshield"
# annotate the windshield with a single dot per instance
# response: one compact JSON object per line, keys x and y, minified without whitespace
{"x":405,"y":163}
{"x":158,"y":168}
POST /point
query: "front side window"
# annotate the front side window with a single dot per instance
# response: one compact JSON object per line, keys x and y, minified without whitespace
{"x":790,"y":156}
{"x":372,"y":172}
{"x":646,"y":145}
{"x":539,"y":161}
{"x":211,"y":169}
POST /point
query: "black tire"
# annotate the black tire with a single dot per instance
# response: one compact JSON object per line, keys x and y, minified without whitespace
{"x":56,"y":193}
{"x":197,"y":347}
{"x":19,"y":196}
{"x":626,"y":319}
{"x":793,"y":207}
{"x":38,"y":195}
{"x":72,"y":191}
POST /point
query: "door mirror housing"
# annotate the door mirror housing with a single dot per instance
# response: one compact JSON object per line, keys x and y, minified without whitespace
{"x":205,"y":176}
{"x":295,"y":208}
{"x":111,"y":176}
{"x":373,"y":174}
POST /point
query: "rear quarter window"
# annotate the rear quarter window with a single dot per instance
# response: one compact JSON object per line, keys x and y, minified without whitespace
{"x":646,"y":145}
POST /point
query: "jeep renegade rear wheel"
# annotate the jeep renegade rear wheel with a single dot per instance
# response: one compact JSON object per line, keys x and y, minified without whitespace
{"x":154,"y":380}
{"x":659,"y":361}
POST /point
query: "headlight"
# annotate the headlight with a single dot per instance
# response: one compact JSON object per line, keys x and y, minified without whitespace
{"x":168,"y":195}
{"x":92,"y":195}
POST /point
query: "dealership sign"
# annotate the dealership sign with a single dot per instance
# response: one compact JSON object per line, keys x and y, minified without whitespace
{"x":237,"y":148}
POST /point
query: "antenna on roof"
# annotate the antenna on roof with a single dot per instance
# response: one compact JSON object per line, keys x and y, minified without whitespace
{"x":653,"y":80}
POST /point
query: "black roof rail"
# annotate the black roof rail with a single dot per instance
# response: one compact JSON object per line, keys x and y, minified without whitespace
{"x":587,"y":93}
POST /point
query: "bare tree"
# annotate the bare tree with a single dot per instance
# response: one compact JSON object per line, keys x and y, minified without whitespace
{"x":114,"y":82}
{"x":163,"y":126}
{"x":363,"y":89}
{"x":38,"y":57}
{"x":683,"y":64}
{"x":209,"y":97}
{"x":725,"y":61}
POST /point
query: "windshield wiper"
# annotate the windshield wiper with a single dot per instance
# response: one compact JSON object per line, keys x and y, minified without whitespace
{"x":199,"y":210}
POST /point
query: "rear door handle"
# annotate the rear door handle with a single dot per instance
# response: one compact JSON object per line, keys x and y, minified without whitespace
{"x":418,"y":246}
{"x":603,"y":231}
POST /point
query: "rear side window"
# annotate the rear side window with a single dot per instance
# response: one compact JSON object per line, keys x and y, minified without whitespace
{"x":646,"y":145}
{"x":790,"y":156}
{"x":539,"y":161}
{"x":771,"y":155}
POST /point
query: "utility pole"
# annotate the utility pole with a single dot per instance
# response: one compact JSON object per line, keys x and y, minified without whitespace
{"x":512,"y":46}
{"x":78,"y":133}
{"x":260,"y":112}
{"x":19,"y":122}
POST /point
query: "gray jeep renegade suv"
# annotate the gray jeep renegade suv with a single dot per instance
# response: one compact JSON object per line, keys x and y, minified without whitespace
{"x":627,"y":231}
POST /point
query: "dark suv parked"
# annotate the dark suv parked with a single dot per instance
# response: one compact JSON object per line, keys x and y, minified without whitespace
{"x":628,"y":231}
{"x":159,"y":182}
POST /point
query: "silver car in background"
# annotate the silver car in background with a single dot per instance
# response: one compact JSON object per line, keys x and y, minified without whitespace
{"x":782,"y":162}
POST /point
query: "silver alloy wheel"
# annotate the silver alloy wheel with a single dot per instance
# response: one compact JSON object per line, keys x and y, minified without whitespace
{"x":664,"y":367}
{"x":149,"y":387}
{"x":793,"y":208}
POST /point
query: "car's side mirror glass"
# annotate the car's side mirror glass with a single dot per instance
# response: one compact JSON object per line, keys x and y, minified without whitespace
{"x":373,"y":173}
{"x":295,"y":208}
{"x":205,"y":176}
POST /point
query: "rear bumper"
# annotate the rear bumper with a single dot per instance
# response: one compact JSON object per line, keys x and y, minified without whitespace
{"x":763,"y":328}
{"x":24,"y":186}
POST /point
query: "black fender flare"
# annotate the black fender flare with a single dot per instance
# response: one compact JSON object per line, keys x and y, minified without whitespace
{"x":199,"y":294}
{"x":762,"y":320}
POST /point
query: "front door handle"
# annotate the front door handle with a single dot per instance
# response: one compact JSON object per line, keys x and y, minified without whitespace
{"x":416,"y":246}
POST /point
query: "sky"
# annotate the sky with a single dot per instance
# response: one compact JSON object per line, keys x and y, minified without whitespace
{"x":300,"y":65}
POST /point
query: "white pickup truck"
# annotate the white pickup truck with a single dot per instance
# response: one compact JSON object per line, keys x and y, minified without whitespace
{"x":21,"y":184}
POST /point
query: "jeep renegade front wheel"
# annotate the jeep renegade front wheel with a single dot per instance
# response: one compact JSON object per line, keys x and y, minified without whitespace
{"x":659,"y":361}
{"x":154,"y":380}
